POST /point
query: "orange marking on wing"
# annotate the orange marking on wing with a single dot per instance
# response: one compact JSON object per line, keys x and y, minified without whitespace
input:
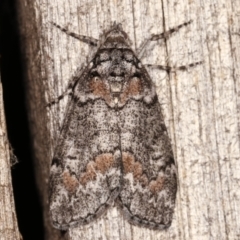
{"x":157,"y":185}
{"x":128,"y":162}
{"x":89,"y":175}
{"x":102,"y":164}
{"x":70,"y":182}
{"x":100,"y":89}
{"x":131,"y":166}
{"x":133,"y":88}
{"x":134,"y":167}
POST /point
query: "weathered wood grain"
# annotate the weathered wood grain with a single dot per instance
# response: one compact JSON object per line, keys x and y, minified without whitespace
{"x":8,"y":219}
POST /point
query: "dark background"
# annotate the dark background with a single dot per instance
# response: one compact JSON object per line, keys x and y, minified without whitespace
{"x":27,"y":200}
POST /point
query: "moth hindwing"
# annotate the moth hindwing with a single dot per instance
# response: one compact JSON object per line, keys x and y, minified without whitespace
{"x":113,"y":145}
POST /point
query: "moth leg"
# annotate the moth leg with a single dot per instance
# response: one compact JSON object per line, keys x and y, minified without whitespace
{"x":156,"y":37}
{"x":173,"y":69}
{"x":89,"y":40}
{"x":69,"y":89}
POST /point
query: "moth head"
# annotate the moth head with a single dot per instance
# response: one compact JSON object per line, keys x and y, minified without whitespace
{"x":116,"y":37}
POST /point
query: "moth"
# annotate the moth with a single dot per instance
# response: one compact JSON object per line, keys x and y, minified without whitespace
{"x":114,"y":145}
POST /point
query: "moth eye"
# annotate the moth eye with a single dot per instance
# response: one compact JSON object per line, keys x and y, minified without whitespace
{"x":96,"y":78}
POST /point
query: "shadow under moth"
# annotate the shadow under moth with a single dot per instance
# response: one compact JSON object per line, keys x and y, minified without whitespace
{"x":113,"y":145}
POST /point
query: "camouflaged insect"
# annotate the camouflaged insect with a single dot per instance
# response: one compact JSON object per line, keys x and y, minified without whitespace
{"x":114,"y":145}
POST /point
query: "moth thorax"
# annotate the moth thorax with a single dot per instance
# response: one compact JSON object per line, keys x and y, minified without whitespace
{"x":116,"y":86}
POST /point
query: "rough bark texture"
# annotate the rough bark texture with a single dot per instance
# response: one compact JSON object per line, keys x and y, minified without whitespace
{"x":201,"y":105}
{"x":8,"y":220}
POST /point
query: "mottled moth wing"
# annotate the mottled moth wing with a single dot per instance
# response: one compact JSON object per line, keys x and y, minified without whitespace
{"x":113,"y":144}
{"x":85,"y":173}
{"x":149,"y":185}
{"x":148,"y":193}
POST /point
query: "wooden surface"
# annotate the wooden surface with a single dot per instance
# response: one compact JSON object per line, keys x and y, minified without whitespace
{"x":8,"y":220}
{"x":201,"y":105}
